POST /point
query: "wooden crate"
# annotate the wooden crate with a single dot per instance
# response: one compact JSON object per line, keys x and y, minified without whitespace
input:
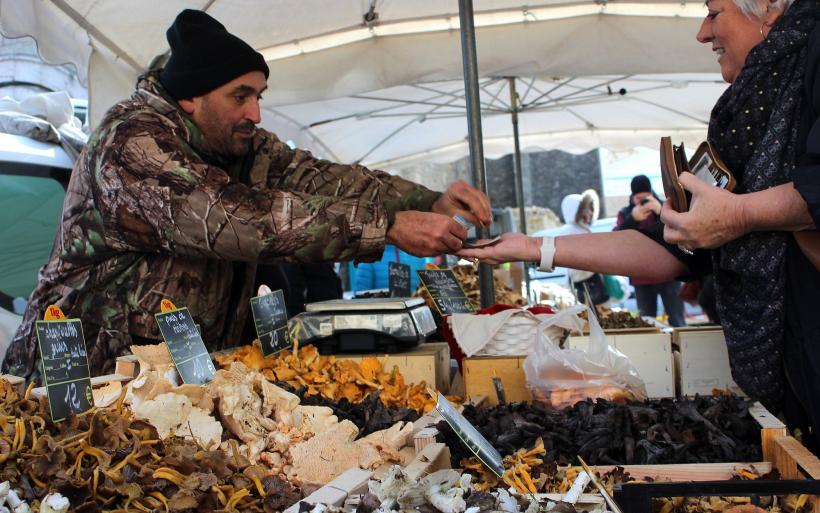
{"x":479,"y":371}
{"x":794,"y":462}
{"x":782,"y":453}
{"x":650,"y":352}
{"x":704,"y":362}
{"x":15,"y":381}
{"x":429,"y":362}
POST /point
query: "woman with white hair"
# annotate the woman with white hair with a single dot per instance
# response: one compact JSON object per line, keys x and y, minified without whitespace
{"x":765,"y":128}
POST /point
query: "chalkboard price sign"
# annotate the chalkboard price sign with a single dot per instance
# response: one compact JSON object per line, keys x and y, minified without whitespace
{"x":451,"y":305}
{"x":270,"y":315}
{"x":447,"y":293}
{"x":474,"y":440}
{"x":398,"y":279}
{"x":65,"y":367}
{"x":186,"y":346}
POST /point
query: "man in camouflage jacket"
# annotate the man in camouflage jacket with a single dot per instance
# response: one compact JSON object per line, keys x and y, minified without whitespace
{"x":177,"y":195}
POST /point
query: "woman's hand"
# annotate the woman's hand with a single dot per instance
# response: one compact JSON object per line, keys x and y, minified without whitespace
{"x":512,"y":247}
{"x":714,"y":218}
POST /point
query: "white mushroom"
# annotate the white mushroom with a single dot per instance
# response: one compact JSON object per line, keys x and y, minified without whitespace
{"x":54,"y":503}
{"x":17,"y":505}
{"x":389,"y":487}
{"x":447,"y":501}
{"x":506,"y":502}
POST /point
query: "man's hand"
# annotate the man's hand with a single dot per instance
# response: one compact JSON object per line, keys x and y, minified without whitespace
{"x":462,"y":198}
{"x":714,"y":218}
{"x":426,"y":233}
{"x":512,"y":247}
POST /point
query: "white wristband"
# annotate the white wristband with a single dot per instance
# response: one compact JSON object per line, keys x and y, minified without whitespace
{"x":547,"y":254}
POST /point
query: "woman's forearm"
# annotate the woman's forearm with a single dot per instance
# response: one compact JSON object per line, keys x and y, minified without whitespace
{"x":623,"y":253}
{"x":780,"y":208}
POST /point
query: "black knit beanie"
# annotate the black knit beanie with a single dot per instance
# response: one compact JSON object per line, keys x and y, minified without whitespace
{"x":204,"y":56}
{"x":641,"y":184}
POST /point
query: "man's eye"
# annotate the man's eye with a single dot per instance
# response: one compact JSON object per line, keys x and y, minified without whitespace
{"x":239,"y":99}
{"x":712,"y":15}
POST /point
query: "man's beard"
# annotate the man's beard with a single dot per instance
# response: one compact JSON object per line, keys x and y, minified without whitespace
{"x":218,"y":139}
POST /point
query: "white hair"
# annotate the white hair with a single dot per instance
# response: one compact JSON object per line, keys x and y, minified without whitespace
{"x":754,"y":9}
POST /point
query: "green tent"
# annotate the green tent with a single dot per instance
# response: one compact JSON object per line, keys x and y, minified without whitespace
{"x":30,"y":210}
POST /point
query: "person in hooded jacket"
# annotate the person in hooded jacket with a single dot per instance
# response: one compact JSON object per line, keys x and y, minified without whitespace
{"x":644,"y":211}
{"x":579,"y":212}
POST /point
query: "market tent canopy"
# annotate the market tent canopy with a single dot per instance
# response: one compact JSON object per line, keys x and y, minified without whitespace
{"x":403,"y":125}
{"x":319,"y":50}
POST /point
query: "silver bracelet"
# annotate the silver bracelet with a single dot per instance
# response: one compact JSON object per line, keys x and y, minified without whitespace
{"x":547,"y":254}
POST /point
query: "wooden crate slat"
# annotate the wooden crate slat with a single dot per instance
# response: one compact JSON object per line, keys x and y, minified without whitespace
{"x":686,"y":471}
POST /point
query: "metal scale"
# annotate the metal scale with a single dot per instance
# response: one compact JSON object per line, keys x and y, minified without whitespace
{"x":365,"y":325}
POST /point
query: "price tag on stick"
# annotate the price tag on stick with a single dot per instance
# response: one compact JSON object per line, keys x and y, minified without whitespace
{"x":446,"y":291}
{"x":186,"y":346}
{"x":65,"y":366}
{"x":398,"y":279}
{"x":488,"y":455}
{"x":270,"y":316}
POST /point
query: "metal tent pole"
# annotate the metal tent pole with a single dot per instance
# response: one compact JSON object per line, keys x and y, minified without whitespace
{"x":468,"y":56}
{"x":519,"y":175}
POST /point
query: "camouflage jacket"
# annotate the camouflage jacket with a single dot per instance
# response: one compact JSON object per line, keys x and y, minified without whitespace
{"x":148,"y":216}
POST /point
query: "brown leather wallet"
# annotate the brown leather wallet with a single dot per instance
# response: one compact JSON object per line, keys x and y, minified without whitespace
{"x":705,"y":164}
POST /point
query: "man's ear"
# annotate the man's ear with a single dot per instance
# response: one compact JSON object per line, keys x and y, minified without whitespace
{"x":187,"y":105}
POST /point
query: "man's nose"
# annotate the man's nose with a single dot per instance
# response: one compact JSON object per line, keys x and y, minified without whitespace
{"x":253,"y":112}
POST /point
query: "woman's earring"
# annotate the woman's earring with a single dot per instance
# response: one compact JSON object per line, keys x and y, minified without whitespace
{"x":762,"y":26}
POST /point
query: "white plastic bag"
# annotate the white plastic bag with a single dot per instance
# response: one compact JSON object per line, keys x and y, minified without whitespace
{"x":562,"y":377}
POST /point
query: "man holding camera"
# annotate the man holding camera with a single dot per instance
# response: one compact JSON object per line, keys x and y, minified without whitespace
{"x":643,"y":212}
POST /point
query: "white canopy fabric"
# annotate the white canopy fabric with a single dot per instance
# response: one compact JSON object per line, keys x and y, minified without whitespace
{"x":404,"y":125}
{"x":325,"y":49}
